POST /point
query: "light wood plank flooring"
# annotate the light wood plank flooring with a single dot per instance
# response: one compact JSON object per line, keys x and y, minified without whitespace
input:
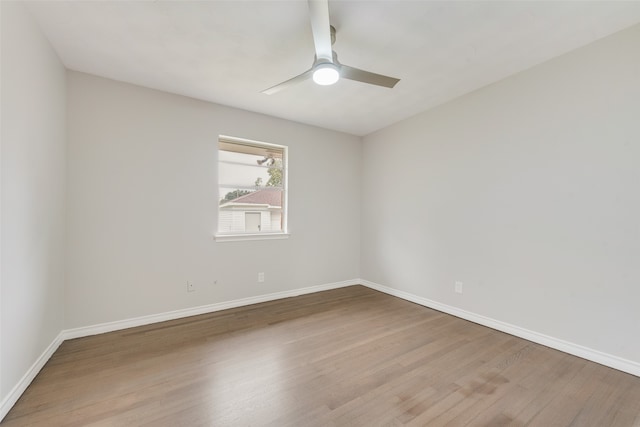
{"x":351,"y":356}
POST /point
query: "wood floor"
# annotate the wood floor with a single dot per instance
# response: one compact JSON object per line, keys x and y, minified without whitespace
{"x":351,"y":356}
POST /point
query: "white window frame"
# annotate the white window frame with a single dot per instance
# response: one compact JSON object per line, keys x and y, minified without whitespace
{"x":235,"y":236}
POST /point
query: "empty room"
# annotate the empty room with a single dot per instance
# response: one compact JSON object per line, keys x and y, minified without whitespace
{"x":320,"y":213}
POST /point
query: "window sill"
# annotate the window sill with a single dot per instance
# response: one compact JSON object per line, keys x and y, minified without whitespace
{"x":241,"y":237}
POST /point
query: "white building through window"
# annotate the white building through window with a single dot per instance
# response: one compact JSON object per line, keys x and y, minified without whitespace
{"x":252,"y":189}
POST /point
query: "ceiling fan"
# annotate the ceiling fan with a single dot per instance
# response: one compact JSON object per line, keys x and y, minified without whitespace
{"x":326,"y":70}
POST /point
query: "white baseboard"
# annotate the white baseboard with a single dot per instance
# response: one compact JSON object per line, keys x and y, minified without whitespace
{"x":194,"y":311}
{"x":605,"y":359}
{"x":15,"y":393}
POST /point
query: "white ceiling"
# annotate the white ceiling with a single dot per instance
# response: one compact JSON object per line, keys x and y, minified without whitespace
{"x":228,"y":51}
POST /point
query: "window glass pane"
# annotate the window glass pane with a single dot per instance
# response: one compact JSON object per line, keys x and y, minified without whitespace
{"x":248,"y":176}
{"x":251,"y":189}
{"x":263,"y":196}
{"x":239,"y":210}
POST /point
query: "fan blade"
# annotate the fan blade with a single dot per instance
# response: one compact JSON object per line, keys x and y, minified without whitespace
{"x":320,"y":26}
{"x":297,"y":79}
{"x":351,"y":73}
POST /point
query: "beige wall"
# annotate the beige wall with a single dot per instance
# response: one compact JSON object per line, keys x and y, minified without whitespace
{"x":143,"y":210}
{"x":527,"y":192}
{"x":33,"y":195}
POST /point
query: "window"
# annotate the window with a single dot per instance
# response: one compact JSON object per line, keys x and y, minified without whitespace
{"x":252,"y":190}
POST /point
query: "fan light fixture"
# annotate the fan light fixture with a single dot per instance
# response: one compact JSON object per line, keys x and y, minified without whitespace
{"x":326,"y":74}
{"x":326,"y":70}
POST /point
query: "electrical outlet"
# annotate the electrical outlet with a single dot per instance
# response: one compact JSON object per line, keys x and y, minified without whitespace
{"x":458,"y":287}
{"x":260,"y":277}
{"x":190,"y":287}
